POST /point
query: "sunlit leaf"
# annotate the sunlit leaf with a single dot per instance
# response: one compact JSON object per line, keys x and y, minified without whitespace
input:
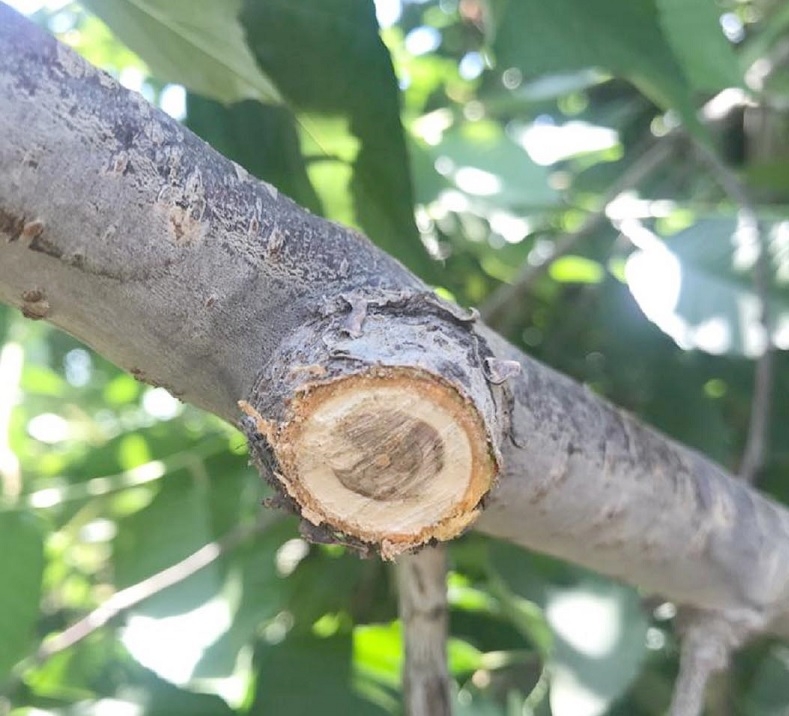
{"x":121,"y":390}
{"x":259,"y":593}
{"x":40,"y":380}
{"x":697,"y":286}
{"x":99,"y":46}
{"x":154,"y":696}
{"x":601,"y":643}
{"x":576,"y":269}
{"x":490,"y":168}
{"x":196,"y":43}
{"x":378,"y":652}
{"x":133,"y":451}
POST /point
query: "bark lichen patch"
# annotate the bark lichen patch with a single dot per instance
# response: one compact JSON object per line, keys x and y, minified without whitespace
{"x":154,"y":132}
{"x":241,"y":173}
{"x":35,"y":304}
{"x":182,"y":226}
{"x":18,"y":227}
{"x":273,"y":192}
{"x":314,"y":370}
{"x":31,"y":158}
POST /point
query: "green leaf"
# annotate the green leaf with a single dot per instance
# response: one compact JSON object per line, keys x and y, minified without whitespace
{"x":620,"y":36}
{"x":196,"y":43}
{"x":378,"y":653}
{"x":692,"y":28}
{"x":21,"y":567}
{"x":303,"y":675}
{"x":133,"y":451}
{"x":327,"y":58}
{"x":261,"y":594}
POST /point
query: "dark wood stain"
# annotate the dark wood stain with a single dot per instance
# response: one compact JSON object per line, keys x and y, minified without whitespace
{"x":397,"y":453}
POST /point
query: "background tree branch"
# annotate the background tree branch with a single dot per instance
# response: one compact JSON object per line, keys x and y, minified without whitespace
{"x":377,"y":410}
{"x":221,"y":267}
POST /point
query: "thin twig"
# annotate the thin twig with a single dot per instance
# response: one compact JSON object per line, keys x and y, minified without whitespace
{"x":50,"y":497}
{"x":757,"y":442}
{"x":756,"y":445}
{"x":503,"y":298}
{"x":422,"y":587}
{"x":137,"y":593}
{"x":704,"y":651}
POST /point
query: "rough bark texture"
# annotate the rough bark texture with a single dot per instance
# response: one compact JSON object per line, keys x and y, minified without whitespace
{"x":121,"y":227}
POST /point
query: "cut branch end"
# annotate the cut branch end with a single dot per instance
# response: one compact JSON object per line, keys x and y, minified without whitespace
{"x":392,"y":457}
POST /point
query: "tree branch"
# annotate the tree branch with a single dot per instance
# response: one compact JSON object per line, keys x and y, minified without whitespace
{"x":124,"y":229}
{"x":708,"y":640}
{"x":756,"y":444}
{"x":707,"y":643}
{"x":422,"y":588}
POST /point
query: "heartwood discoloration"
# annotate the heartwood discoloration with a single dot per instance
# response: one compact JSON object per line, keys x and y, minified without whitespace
{"x":394,"y":455}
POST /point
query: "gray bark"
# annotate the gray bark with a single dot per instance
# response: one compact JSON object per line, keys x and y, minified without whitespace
{"x":425,"y":617}
{"x":122,"y":228}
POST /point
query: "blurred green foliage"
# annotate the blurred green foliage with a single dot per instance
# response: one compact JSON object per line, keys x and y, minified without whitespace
{"x":466,"y":138}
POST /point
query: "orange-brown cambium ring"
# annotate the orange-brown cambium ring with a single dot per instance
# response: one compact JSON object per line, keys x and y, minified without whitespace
{"x":393,"y":456}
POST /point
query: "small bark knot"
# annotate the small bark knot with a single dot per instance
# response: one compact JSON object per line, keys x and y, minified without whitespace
{"x":500,"y":371}
{"x":35,"y":304}
{"x":32,"y":229}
